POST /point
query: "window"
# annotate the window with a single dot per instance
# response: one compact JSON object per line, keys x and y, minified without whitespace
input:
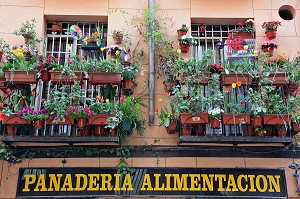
{"x":57,"y":43}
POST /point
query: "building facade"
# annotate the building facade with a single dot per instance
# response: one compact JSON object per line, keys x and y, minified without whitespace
{"x":270,"y":162}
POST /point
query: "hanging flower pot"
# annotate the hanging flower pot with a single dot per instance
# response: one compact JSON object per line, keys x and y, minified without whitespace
{"x":46,"y":76}
{"x":215,"y":123}
{"x":118,"y":40}
{"x":39,"y":124}
{"x":81,"y":122}
{"x":56,"y":28}
{"x":271,"y":34}
{"x":184,"y":48}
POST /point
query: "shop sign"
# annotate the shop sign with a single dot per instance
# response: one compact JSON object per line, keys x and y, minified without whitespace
{"x":156,"y":182}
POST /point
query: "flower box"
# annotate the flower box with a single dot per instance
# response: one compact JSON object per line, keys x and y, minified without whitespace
{"x":14,"y":119}
{"x":99,"y":119}
{"x":94,"y":46}
{"x":244,"y":78}
{"x":57,"y":78}
{"x":96,"y":78}
{"x":198,"y":118}
{"x":232,"y":119}
{"x":278,"y":78}
{"x":21,"y":76}
{"x":276,"y":119}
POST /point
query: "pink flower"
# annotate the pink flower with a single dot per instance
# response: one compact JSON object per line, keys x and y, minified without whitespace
{"x":240,"y":24}
{"x":295,"y":93}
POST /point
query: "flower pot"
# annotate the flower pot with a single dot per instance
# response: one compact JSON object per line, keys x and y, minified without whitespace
{"x":39,"y":124}
{"x":276,"y":119}
{"x":21,"y":76}
{"x":184,"y":48}
{"x":57,"y":78}
{"x":256,"y":121}
{"x":282,"y":132}
{"x":56,"y":28}
{"x":228,"y":79}
{"x":26,"y":38}
{"x":243,"y":35}
{"x":171,"y":129}
{"x":278,"y":78}
{"x":181,"y":32}
{"x":198,"y":118}
{"x":214,"y":123}
{"x":99,"y":119}
{"x":11,"y":130}
{"x":99,"y":130}
{"x":97,"y":78}
{"x":247,"y":130}
{"x":46,"y":76}
{"x":127,"y":127}
{"x":113,"y":132}
{"x":271,"y":34}
{"x":13,"y":119}
{"x":186,"y":130}
{"x":81,"y":122}
{"x":295,"y":128}
{"x":128,"y":86}
{"x":233,"y":119}
{"x":118,"y":40}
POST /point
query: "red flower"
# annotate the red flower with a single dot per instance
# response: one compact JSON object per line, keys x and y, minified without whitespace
{"x":55,"y":59}
{"x":242,"y":101}
{"x":43,"y":99}
{"x":295,"y":93}
{"x":8,"y":91}
{"x":155,"y":110}
{"x":238,"y":83}
{"x":98,"y":97}
{"x":122,"y":99}
{"x":227,"y":89}
{"x":33,"y":93}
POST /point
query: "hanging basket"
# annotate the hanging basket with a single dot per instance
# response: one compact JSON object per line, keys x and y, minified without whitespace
{"x":56,"y":28}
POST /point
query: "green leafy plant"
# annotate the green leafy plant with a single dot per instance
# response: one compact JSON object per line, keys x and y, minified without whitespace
{"x":99,"y":105}
{"x":245,"y":28}
{"x":256,"y":104}
{"x":4,"y":47}
{"x":103,"y":65}
{"x":184,"y":27}
{"x":28,"y":29}
{"x":166,"y":116}
{"x":187,"y":40}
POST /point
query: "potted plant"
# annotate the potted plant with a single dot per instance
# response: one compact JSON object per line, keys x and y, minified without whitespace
{"x":80,"y":114}
{"x":243,"y":31}
{"x":271,"y":28}
{"x":93,"y":42}
{"x":183,"y":30}
{"x":168,"y":119}
{"x":268,"y":47}
{"x":130,"y":109}
{"x":257,"y":106}
{"x":57,"y":26}
{"x":117,"y":36}
{"x":113,"y":50}
{"x":27,"y":30}
{"x":215,"y":116}
{"x":37,"y":116}
{"x":185,"y":42}
{"x":45,"y":64}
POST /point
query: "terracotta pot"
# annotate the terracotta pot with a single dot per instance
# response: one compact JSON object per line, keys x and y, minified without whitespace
{"x":11,"y":130}
{"x":46,"y":76}
{"x":278,"y":78}
{"x":113,"y":132}
{"x":276,"y":119}
{"x":171,"y":129}
{"x":128,"y":86}
{"x":256,"y":121}
{"x":26,"y":38}
{"x":214,"y":123}
{"x":56,"y":28}
{"x":231,"y":119}
{"x":66,"y":79}
{"x":181,"y":32}
{"x":296,"y":128}
{"x":282,"y":133}
{"x":186,"y":130}
{"x":21,"y":76}
{"x":22,"y":103}
{"x":99,"y":119}
{"x":243,"y":35}
{"x":39,"y":124}
{"x":184,"y":48}
{"x":118,"y":40}
{"x":13,"y":119}
{"x":198,"y":118}
{"x":99,"y":130}
{"x":81,"y":122}
{"x":271,"y":34}
{"x":247,"y":130}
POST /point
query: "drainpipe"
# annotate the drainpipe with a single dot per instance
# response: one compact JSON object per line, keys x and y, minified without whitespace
{"x":151,"y":65}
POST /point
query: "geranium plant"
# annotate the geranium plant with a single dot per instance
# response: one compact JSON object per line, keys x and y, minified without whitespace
{"x":47,"y":63}
{"x":77,"y":112}
{"x":271,"y":25}
{"x":245,"y":28}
